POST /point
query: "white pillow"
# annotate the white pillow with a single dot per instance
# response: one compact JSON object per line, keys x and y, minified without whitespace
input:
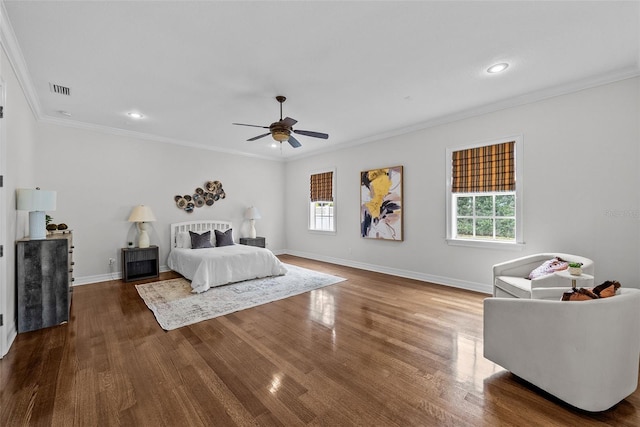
{"x":183,"y":240}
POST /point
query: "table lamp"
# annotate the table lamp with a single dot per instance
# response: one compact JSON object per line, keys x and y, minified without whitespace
{"x":141,"y":215}
{"x":252,"y":214}
{"x":37,"y":202}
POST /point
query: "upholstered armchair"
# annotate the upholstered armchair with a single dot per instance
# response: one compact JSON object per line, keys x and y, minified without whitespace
{"x":583,"y":352}
{"x":510,"y":277}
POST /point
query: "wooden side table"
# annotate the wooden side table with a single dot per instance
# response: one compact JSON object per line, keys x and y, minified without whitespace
{"x":140,"y":263}
{"x":255,"y":241}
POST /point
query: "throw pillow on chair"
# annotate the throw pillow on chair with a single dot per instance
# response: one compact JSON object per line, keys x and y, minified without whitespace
{"x":604,"y":290}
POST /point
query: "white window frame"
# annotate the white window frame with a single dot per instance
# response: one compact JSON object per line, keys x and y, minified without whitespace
{"x":518,"y":243}
{"x":310,"y":209}
{"x":475,"y":217}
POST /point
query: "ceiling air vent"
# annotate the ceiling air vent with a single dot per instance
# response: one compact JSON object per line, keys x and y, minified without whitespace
{"x":62,"y":90}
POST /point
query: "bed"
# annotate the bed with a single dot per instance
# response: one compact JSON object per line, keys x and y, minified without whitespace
{"x":216,"y":266}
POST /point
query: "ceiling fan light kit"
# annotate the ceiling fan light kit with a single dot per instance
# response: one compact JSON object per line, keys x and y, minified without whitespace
{"x":280,"y":135}
{"x":281,"y":130}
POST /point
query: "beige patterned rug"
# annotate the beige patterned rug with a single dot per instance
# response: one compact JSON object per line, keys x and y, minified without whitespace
{"x":174,"y":306}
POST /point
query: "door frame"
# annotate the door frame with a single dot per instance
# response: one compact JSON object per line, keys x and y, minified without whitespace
{"x":4,"y":339}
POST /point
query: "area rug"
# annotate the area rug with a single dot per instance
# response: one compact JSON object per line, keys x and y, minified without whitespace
{"x":174,"y":306}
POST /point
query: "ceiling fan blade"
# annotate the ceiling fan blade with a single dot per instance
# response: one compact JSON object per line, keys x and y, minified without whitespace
{"x":311,"y":133}
{"x":254,"y":126}
{"x":259,"y":136}
{"x":289,"y":121}
{"x":294,"y":142}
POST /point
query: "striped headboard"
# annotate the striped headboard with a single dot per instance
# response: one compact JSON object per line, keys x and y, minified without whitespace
{"x":197,"y":227}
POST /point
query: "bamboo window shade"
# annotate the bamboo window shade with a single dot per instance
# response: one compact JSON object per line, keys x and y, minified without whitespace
{"x":484,"y":169}
{"x":322,"y":187}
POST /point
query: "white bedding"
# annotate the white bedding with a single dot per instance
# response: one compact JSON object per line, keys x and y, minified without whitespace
{"x":211,"y":267}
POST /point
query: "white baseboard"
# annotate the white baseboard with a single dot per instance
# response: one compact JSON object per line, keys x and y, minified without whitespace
{"x":116,"y":275}
{"x":12,"y":333}
{"x":438,"y":280}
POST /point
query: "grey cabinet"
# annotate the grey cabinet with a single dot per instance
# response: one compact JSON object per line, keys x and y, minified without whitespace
{"x":44,"y":275}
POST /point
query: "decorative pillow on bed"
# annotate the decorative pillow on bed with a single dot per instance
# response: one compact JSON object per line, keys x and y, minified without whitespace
{"x":183,"y":240}
{"x":200,"y":241}
{"x":224,"y":239}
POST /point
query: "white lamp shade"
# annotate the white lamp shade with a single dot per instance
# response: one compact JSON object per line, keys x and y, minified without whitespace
{"x":33,"y":199}
{"x":252,"y":213}
{"x":142,"y":213}
{"x":36,"y":201}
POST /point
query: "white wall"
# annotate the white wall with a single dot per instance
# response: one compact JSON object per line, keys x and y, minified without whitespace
{"x":18,"y":127}
{"x":100,"y":178}
{"x":581,"y":175}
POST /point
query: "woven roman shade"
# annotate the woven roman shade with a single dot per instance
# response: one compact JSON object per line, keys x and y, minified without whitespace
{"x":322,"y":187}
{"x":484,"y":169}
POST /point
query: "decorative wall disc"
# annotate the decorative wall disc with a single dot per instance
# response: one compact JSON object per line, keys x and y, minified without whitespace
{"x":211,"y":193}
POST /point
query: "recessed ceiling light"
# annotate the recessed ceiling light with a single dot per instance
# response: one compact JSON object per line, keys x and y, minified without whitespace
{"x":135,"y":115}
{"x":64,"y":113}
{"x":497,"y":68}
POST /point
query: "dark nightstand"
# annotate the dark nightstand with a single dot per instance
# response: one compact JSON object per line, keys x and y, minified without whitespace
{"x":140,"y":263}
{"x":253,"y":241}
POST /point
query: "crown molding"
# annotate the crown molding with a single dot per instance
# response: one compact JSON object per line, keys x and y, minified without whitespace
{"x":146,"y":136}
{"x":12,"y":49}
{"x":18,"y":64}
{"x":528,"y":98}
{"x":16,"y":59}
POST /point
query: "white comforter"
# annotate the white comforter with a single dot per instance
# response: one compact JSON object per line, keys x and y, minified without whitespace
{"x":211,"y":267}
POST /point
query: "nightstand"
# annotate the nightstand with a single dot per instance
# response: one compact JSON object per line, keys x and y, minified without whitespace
{"x":140,"y":263}
{"x":253,"y":241}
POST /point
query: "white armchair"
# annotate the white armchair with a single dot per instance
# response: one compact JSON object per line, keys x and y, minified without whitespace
{"x":510,"y":277}
{"x":583,"y":352}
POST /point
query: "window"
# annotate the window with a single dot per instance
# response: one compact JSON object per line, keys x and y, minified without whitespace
{"x":322,"y":203}
{"x":489,"y":216}
{"x":483,"y":205}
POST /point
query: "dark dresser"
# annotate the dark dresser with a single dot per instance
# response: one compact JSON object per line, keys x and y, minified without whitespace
{"x":44,"y":278}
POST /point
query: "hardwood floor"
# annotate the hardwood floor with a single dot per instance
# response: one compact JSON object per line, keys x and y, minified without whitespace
{"x":375,"y":350}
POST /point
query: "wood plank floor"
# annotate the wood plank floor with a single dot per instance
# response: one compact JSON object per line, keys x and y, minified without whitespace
{"x":375,"y":350}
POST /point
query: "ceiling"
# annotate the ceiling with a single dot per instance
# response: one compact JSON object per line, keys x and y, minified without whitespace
{"x":359,"y":71}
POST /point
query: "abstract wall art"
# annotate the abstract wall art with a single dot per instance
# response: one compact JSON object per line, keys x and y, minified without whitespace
{"x":381,"y":203}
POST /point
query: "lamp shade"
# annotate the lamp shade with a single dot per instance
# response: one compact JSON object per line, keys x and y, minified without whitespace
{"x":34,"y":199}
{"x":252,"y":213}
{"x":142,"y":213}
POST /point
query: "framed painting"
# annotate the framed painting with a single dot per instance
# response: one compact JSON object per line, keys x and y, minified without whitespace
{"x":381,"y":203}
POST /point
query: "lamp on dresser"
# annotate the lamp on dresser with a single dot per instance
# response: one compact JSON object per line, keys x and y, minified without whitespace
{"x":141,"y":215}
{"x":252,"y":213}
{"x":37,"y":202}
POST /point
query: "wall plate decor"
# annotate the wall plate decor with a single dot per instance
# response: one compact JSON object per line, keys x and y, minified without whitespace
{"x":207,"y":196}
{"x":381,"y":203}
